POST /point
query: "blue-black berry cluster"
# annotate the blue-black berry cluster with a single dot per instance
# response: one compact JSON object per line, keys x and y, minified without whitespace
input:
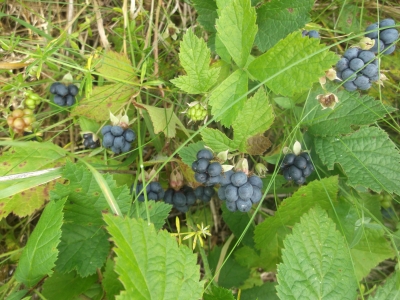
{"x":311,"y":34}
{"x":206,"y":172}
{"x":154,"y":191}
{"x":383,"y":37}
{"x":358,"y":68}
{"x":117,"y":139}
{"x":239,"y":191}
{"x":182,"y":199}
{"x":204,"y":193}
{"x":88,"y":141}
{"x":297,"y":167}
{"x":64,"y":95}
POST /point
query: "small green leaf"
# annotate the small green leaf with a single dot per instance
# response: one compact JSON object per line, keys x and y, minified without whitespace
{"x":256,"y":117}
{"x":158,"y":211}
{"x":188,"y":153}
{"x":351,"y":110}
{"x":67,"y":286}
{"x":112,"y":286}
{"x":316,"y":263}
{"x":390,"y":290}
{"x":293,"y":64}
{"x":228,"y":98}
{"x":237,"y":29}
{"x":206,"y":13}
{"x":163,"y":119}
{"x":368,"y":157}
{"x":321,"y":193}
{"x":217,"y":140}
{"x":195,"y":58}
{"x":88,"y":125}
{"x":218,"y":293}
{"x":280,"y":17}
{"x":151,"y":265}
{"x":116,"y":66}
{"x":40,"y":253}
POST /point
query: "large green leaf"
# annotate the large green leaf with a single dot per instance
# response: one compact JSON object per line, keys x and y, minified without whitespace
{"x":368,"y":245}
{"x":352,"y":110}
{"x":390,"y":290}
{"x":206,"y":13}
{"x":195,"y":58}
{"x":277,"y":18}
{"x":40,"y":253}
{"x":368,"y":157}
{"x":322,"y":193}
{"x":293,"y":64}
{"x":151,"y":265}
{"x":67,"y":286}
{"x":217,"y":140}
{"x":84,"y":245}
{"x":104,"y":99}
{"x":236,"y":28}
{"x":24,"y":196}
{"x":224,"y":99}
{"x":255,"y":118}
{"x":316,"y":262}
{"x":116,"y":67}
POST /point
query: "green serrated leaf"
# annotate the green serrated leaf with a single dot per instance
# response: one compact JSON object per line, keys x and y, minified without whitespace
{"x":112,"y":286}
{"x":256,"y":117}
{"x":84,"y":245}
{"x":217,"y":140}
{"x":163,"y":119}
{"x":358,"y":155}
{"x":237,"y":222}
{"x":82,"y":248}
{"x":40,"y":253}
{"x":236,"y":28}
{"x":218,"y":293}
{"x":371,"y":248}
{"x":293,"y":64}
{"x":265,"y":291}
{"x":224,"y":99}
{"x":280,"y":17}
{"x":105,"y":99}
{"x":390,"y":290}
{"x":321,"y":193}
{"x":66,"y":286}
{"x":188,"y":153}
{"x":150,"y":264}
{"x":116,"y":66}
{"x":316,"y":263}
{"x":158,"y":212}
{"x":206,"y":13}
{"x":195,"y":58}
{"x":352,"y":110}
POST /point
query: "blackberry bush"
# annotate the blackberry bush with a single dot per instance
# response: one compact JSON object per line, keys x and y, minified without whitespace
{"x":206,"y":172}
{"x":21,"y":120}
{"x":90,"y":142}
{"x":182,"y":199}
{"x":117,"y":138}
{"x":383,"y":37}
{"x":297,"y":167}
{"x":154,"y":191}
